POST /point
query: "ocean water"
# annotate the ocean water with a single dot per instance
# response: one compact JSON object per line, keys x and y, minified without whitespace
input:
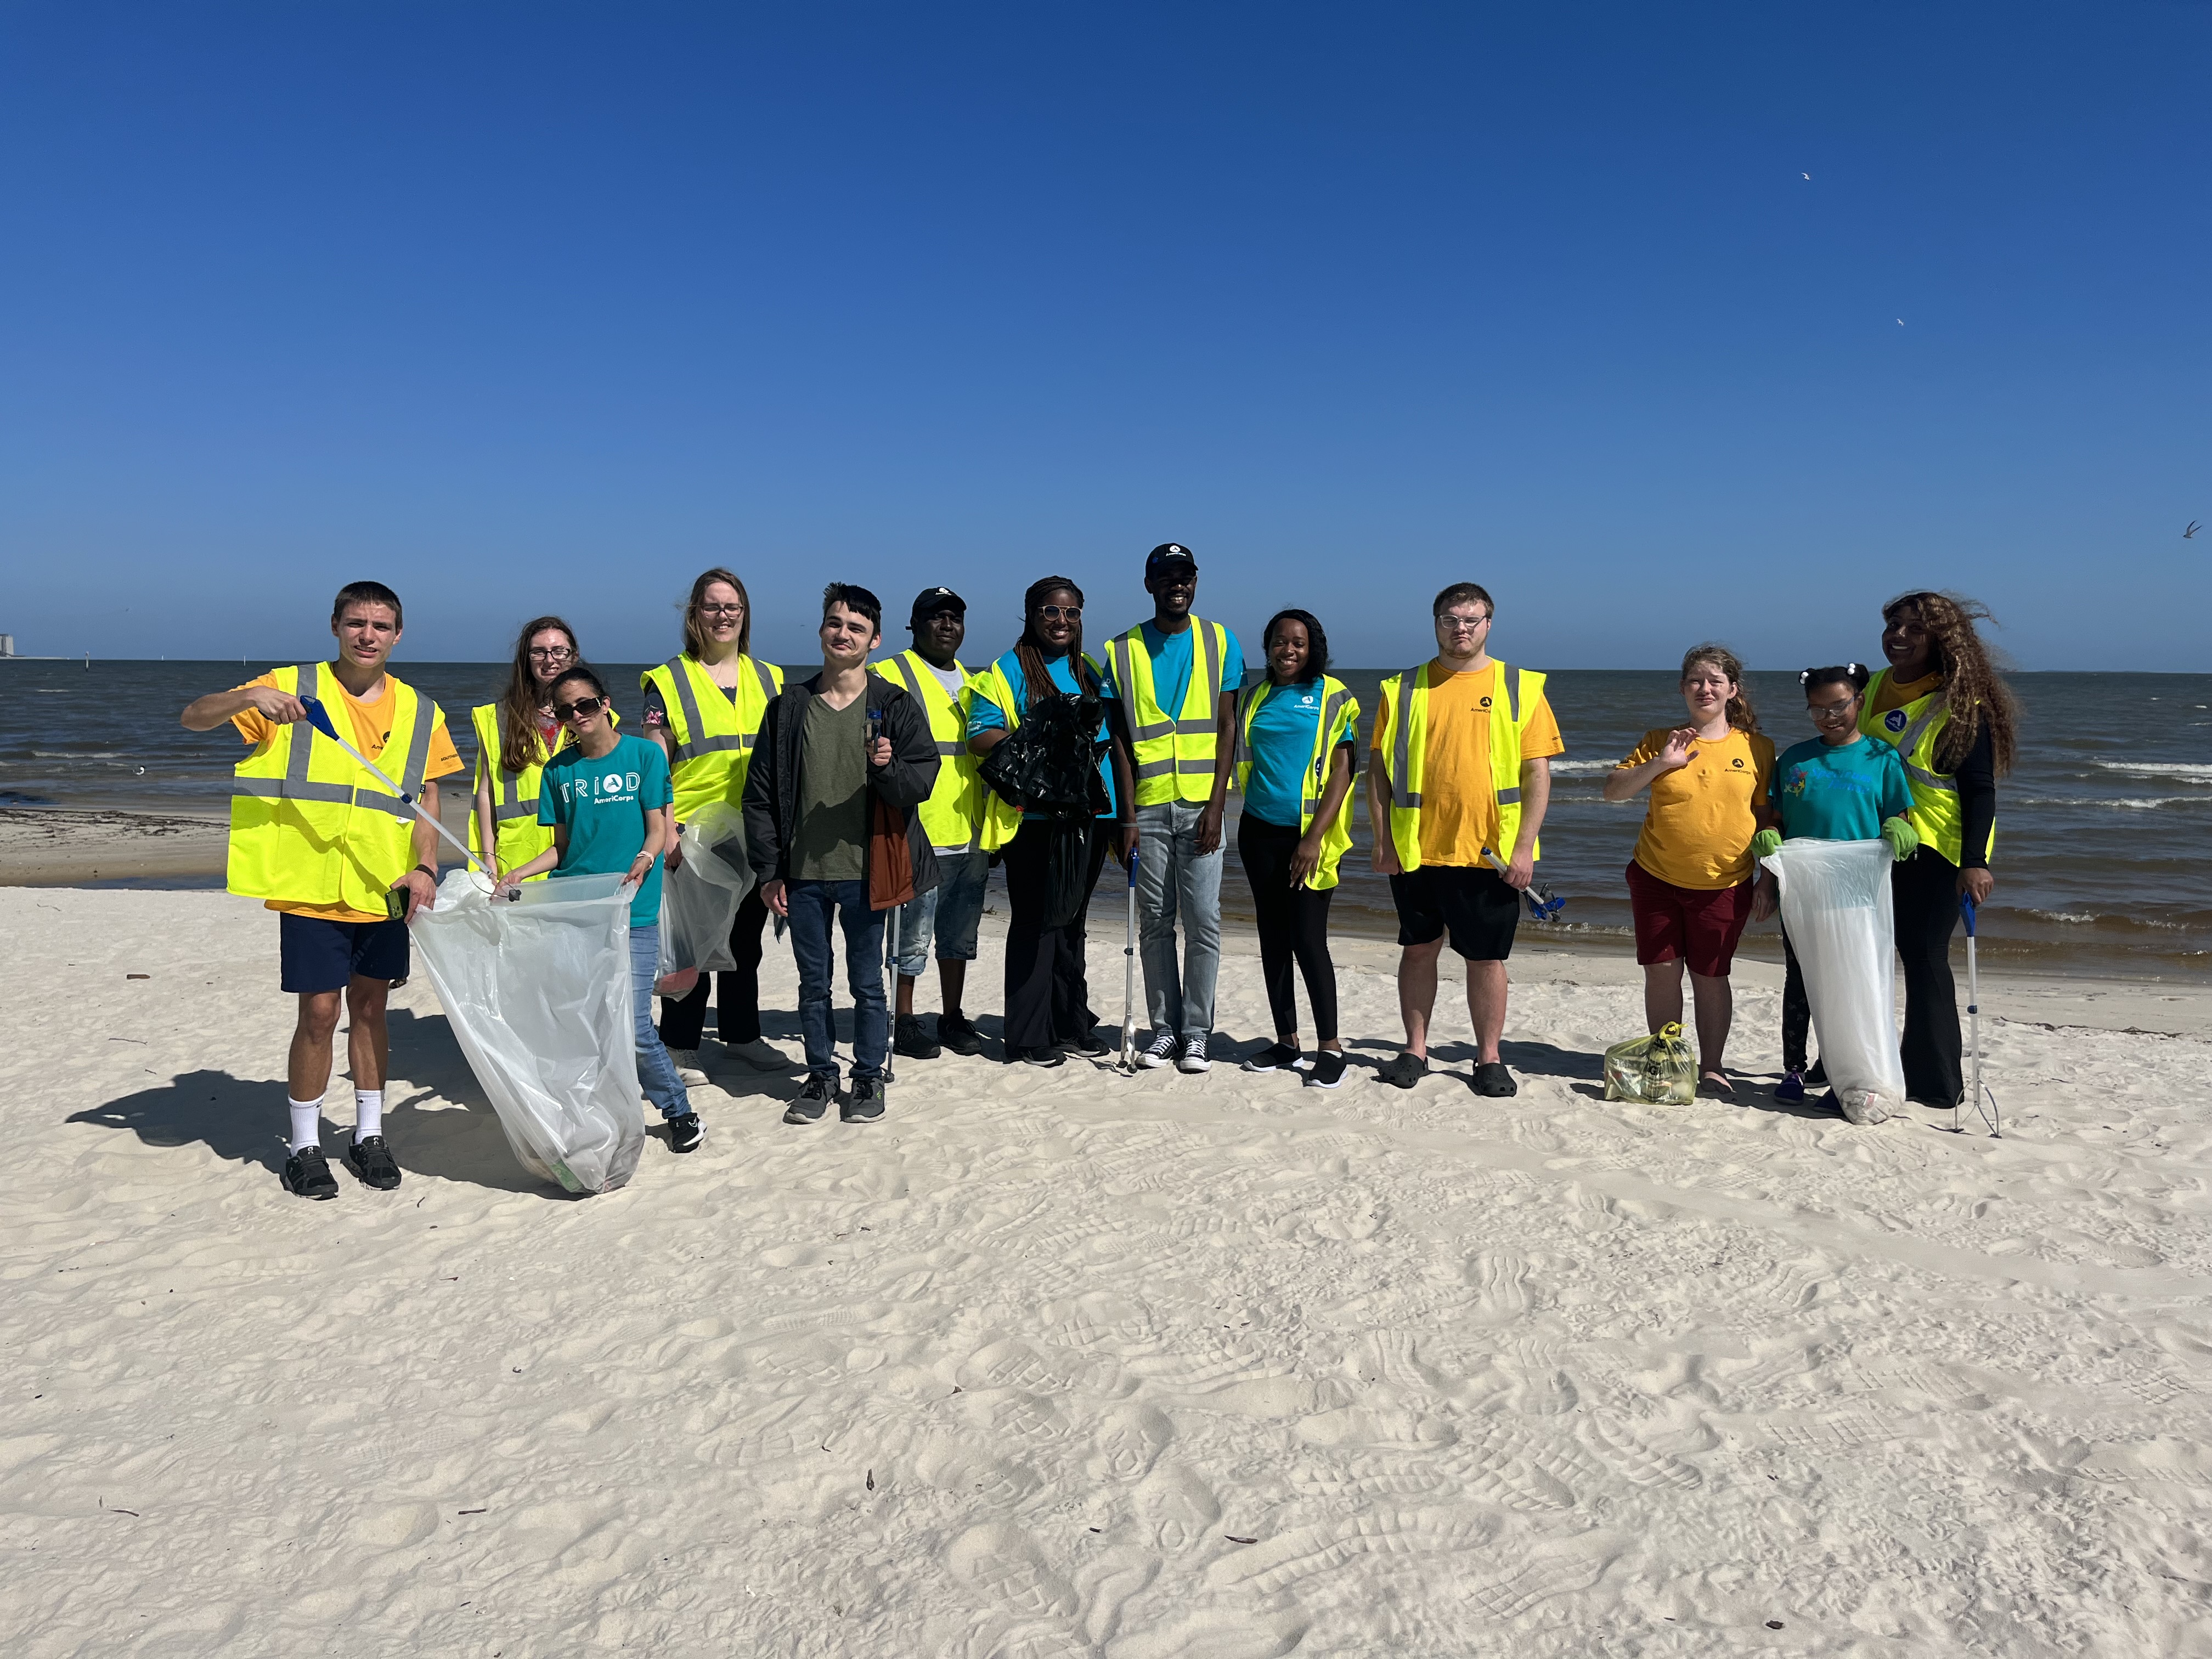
{"x":2104,"y":851}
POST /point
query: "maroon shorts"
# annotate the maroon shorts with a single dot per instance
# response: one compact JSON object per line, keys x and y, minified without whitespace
{"x":1687,"y":924}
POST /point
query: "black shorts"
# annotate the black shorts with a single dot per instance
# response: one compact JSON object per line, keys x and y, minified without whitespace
{"x":322,"y":956}
{"x":1476,"y":906}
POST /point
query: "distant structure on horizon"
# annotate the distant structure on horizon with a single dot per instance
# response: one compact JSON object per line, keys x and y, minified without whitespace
{"x":7,"y":645}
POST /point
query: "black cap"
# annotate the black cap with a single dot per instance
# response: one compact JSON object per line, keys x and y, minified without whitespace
{"x":931,"y":600}
{"x":1166,"y":556}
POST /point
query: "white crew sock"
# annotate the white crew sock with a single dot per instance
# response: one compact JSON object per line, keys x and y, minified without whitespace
{"x":367,"y":1114}
{"x":306,"y":1123}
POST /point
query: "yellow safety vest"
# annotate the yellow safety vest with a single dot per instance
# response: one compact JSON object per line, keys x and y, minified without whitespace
{"x":518,"y":836}
{"x":1002,"y":820}
{"x":308,"y":825}
{"x":714,"y":737}
{"x":1338,"y":722}
{"x":1914,"y":731}
{"x":1406,"y":696}
{"x":955,"y":807}
{"x":1174,"y":754}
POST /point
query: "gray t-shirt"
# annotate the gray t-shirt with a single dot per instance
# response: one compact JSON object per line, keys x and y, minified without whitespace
{"x":832,"y":841}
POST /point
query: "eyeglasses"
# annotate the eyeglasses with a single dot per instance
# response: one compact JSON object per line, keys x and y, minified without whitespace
{"x":1462,"y":624}
{"x":1060,"y":612}
{"x":566,"y":711}
{"x":721,"y":610}
{"x":1832,"y":711}
{"x":552,"y":652}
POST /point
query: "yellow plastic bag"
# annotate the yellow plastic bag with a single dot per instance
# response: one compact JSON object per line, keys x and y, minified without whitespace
{"x":1659,"y":1069}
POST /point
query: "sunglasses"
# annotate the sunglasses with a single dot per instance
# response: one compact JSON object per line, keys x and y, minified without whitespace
{"x":1060,"y":612}
{"x":564,"y":711}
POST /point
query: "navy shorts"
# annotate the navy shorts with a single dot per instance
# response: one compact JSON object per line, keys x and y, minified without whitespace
{"x":322,"y":956}
{"x":1474,"y":907}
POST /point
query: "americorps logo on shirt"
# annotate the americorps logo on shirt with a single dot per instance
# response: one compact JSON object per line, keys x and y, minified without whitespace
{"x":1894,"y":720}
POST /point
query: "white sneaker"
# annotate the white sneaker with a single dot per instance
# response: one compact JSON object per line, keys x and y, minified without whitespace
{"x":1193,"y":1056}
{"x":687,"y":1068}
{"x":1161,"y":1053}
{"x":760,"y":1055}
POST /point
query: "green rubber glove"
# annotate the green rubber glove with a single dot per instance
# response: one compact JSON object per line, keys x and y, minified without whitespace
{"x":1765,"y":842}
{"x":1904,"y":840}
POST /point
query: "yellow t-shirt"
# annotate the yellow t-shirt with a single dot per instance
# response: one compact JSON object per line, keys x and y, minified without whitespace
{"x":1459,"y":798}
{"x":1892,"y":695}
{"x":1698,"y":831}
{"x":370,"y":732}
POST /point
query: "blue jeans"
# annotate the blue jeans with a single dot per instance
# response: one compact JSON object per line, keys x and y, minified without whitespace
{"x":952,"y":910}
{"x":1173,"y":879}
{"x":813,"y":903}
{"x":656,"y":1072}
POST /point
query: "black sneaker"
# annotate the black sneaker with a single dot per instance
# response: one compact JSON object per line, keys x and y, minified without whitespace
{"x":371,"y":1159}
{"x":814,"y":1099}
{"x":307,"y":1173}
{"x":911,"y":1041}
{"x":1405,"y":1071}
{"x":1090,"y":1047}
{"x":865,"y":1104}
{"x":1327,"y":1069}
{"x":685,"y":1132}
{"x":1046,"y":1055}
{"x":957,"y":1033}
{"x":1273,"y":1059}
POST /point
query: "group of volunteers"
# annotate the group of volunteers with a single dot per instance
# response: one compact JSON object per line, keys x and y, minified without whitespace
{"x":875,"y":796}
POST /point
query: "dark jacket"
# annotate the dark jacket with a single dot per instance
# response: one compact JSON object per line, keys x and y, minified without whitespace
{"x":895,"y":837}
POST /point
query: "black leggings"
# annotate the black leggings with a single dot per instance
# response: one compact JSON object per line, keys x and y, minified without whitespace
{"x":1293,"y":926}
{"x":1047,"y":992}
{"x":682,"y":1018}
{"x":1925,"y":891}
{"x":1797,"y":1011}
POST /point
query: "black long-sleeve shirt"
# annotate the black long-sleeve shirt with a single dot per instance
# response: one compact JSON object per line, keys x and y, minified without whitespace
{"x":1977,"y":778}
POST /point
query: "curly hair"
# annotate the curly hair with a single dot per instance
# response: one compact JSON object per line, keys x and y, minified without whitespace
{"x":1973,"y":686}
{"x":519,"y":745}
{"x":1740,"y":715}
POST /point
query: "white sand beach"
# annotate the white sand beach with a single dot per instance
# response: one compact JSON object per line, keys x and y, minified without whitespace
{"x":1062,"y":1362}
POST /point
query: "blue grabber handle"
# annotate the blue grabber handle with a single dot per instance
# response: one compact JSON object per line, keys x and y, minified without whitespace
{"x":321,"y":716}
{"x":1967,"y":909}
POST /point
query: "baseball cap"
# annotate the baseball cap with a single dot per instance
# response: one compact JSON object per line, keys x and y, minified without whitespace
{"x":931,"y":600}
{"x":1167,"y":554}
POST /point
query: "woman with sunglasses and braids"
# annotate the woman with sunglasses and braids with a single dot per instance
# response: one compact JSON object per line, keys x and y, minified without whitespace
{"x":1952,"y":719}
{"x":605,"y":808}
{"x":704,"y":708}
{"x":515,"y":736}
{"x":1047,"y":1007}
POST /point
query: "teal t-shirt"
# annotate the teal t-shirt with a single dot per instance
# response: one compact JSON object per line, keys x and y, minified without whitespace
{"x":1173,"y":658}
{"x":1839,"y":792}
{"x":1282,"y":747}
{"x":603,"y":803}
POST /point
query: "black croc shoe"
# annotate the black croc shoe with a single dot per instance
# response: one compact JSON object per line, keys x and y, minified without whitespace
{"x":371,"y":1159}
{"x":307,"y":1173}
{"x":1491,"y":1079}
{"x":1405,"y":1071}
{"x":814,"y":1099}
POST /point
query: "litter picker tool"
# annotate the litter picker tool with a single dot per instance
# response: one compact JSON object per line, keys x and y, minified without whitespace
{"x":1986,"y":1100}
{"x":1128,"y":1060}
{"x":321,"y":718}
{"x":1544,"y":905}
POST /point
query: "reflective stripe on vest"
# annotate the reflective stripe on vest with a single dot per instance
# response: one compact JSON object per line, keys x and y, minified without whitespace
{"x":950,"y":816}
{"x":1938,"y":812}
{"x":1175,"y":747}
{"x":1406,"y":696}
{"x":696,"y":741}
{"x":308,"y":825}
{"x":708,"y":764}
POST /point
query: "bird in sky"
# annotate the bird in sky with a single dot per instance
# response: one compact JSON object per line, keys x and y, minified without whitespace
{"x":2189,"y":534}
{"x":1804,"y":176}
{"x":1900,"y":322}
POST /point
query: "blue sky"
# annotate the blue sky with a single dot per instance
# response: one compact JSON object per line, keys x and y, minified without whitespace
{"x":535,"y":307}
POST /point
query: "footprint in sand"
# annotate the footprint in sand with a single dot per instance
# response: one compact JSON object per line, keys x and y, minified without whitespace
{"x":1501,"y":1281}
{"x":1002,"y":1566}
{"x":1553,"y":1570}
{"x":1178,"y":1508}
{"x":1304,"y":1552}
{"x":1128,"y":1442}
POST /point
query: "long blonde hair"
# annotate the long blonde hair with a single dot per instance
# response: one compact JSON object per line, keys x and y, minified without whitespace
{"x":694,"y":637}
{"x":1740,"y":715}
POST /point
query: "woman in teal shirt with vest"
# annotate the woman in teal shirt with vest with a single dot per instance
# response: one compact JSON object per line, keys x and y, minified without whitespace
{"x":1295,"y":732}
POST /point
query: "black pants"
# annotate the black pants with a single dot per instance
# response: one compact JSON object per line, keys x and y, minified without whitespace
{"x":1796,"y":1011}
{"x":1925,"y":890}
{"x":1047,"y":992}
{"x":1293,"y":927}
{"x":737,"y":992}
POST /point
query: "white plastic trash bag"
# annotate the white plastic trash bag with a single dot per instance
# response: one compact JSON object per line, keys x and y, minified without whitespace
{"x":1836,"y":906}
{"x":537,"y":990}
{"x":699,"y":898}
